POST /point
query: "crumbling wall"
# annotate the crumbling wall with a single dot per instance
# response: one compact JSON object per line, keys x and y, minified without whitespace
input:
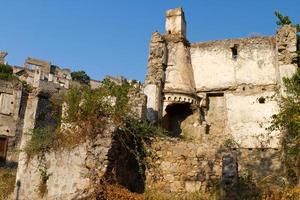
{"x":286,"y":40}
{"x":215,"y":67}
{"x":181,"y":166}
{"x":11,"y":112}
{"x":71,"y":171}
{"x":66,"y":175}
{"x":155,"y":76}
{"x":138,"y":101}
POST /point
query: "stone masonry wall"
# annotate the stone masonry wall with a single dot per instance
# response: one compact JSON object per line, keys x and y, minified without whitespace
{"x":180,"y":166}
{"x":70,"y":171}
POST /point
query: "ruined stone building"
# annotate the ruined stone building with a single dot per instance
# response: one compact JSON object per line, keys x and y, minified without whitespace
{"x":42,"y":79}
{"x":216,"y":99}
{"x":218,"y":89}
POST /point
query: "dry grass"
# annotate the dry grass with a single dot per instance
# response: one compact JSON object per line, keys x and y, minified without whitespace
{"x":155,"y":195}
{"x":7,"y":182}
{"x":107,"y":191}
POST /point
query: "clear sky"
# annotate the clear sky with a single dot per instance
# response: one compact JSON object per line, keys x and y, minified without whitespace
{"x":112,"y":37}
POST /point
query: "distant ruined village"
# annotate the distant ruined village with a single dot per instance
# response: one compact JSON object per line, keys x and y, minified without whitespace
{"x":214,"y":98}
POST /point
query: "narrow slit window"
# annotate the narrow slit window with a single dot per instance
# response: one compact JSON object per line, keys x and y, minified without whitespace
{"x":234,"y":51}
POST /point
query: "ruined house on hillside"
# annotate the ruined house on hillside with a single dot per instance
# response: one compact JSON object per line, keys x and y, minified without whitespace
{"x":218,"y":88}
{"x":208,"y":95}
{"x":19,"y":106}
{"x":215,"y":94}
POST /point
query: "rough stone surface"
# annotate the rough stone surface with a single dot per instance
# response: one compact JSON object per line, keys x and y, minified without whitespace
{"x":181,"y":166}
{"x":70,"y":171}
{"x":156,"y":59}
{"x":224,"y":80}
{"x":286,"y":39}
{"x":223,"y":88}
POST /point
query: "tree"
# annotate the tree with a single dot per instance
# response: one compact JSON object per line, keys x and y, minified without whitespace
{"x":80,"y":76}
{"x":6,"y":72}
{"x":288,"y":118}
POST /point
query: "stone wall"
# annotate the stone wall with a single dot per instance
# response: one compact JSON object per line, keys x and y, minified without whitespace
{"x":286,"y":39}
{"x":155,"y":76}
{"x":215,"y":68}
{"x":232,"y":83}
{"x":180,"y":166}
{"x":71,"y":171}
{"x":12,"y":107}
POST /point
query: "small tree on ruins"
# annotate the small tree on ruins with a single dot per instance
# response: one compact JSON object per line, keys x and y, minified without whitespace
{"x":288,"y":119}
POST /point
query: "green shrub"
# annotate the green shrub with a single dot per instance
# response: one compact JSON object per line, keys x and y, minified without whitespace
{"x":44,"y":176}
{"x":41,"y":140}
{"x":288,"y":121}
{"x":27,"y":87}
{"x":230,"y":143}
{"x":6,"y":72}
{"x":81,"y":77}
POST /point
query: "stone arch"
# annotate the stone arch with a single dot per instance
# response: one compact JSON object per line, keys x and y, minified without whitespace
{"x":176,"y":113}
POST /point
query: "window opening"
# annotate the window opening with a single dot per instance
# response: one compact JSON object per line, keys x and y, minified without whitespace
{"x":234,"y":51}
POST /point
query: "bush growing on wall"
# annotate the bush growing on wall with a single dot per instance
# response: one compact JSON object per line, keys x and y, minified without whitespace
{"x":41,"y":140}
{"x":288,"y":119}
{"x":87,"y":112}
{"x":6,"y":72}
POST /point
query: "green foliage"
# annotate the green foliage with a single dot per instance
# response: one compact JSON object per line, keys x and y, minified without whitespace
{"x":143,"y":129}
{"x":27,"y":87}
{"x":6,"y":72}
{"x":80,"y":76}
{"x":132,"y":136}
{"x":44,"y":176}
{"x":83,"y":103}
{"x":285,"y":20}
{"x":41,"y":140}
{"x":230,"y":143}
{"x":288,"y":121}
{"x":6,"y":69}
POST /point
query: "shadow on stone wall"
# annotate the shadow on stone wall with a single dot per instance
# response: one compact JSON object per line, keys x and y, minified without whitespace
{"x":259,"y":172}
{"x":126,"y":159}
{"x":176,"y":114}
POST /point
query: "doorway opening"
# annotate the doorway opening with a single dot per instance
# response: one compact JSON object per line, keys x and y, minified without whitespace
{"x":176,"y":114}
{"x":3,"y":148}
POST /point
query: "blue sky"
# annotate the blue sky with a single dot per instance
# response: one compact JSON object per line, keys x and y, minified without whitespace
{"x":112,"y":37}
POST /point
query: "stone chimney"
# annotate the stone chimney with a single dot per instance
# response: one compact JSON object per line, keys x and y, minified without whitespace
{"x":175,"y":22}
